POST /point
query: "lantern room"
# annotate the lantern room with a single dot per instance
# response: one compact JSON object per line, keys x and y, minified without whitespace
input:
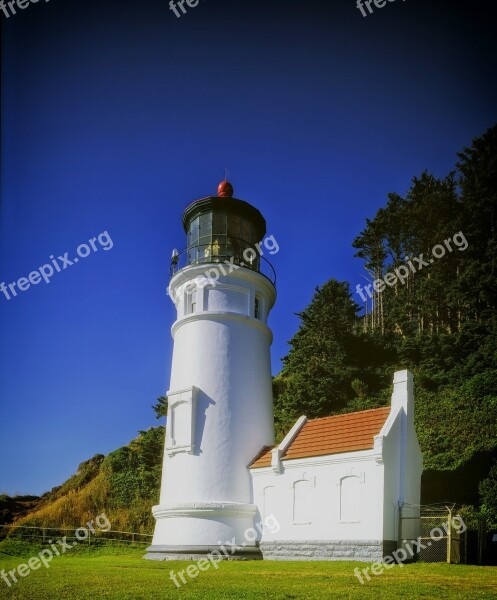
{"x":221,"y":228}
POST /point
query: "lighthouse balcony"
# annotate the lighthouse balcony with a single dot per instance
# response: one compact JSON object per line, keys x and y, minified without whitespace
{"x":225,"y":254}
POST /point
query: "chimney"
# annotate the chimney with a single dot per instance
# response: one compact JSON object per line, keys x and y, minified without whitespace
{"x":403,"y":401}
{"x":403,"y":393}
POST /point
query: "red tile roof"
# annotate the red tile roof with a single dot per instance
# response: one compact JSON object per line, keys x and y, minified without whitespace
{"x":331,"y":435}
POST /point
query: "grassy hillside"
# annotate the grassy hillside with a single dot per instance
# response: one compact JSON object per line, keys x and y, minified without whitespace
{"x":124,"y":484}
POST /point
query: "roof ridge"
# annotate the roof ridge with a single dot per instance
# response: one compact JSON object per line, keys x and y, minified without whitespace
{"x":357,"y":412}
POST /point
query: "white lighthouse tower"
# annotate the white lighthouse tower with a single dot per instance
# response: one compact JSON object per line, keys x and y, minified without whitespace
{"x":220,"y":405}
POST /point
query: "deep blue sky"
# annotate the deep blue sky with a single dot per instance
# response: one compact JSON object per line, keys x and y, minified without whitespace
{"x":116,"y":115}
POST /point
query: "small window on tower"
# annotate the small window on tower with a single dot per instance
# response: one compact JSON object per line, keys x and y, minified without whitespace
{"x":181,"y":421}
{"x":192,"y":302}
{"x":257,"y":308}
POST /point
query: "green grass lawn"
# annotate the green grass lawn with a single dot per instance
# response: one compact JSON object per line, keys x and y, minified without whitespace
{"x":121,"y":573}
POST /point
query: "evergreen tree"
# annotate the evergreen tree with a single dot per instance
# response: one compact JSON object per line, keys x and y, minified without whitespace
{"x":328,"y":353}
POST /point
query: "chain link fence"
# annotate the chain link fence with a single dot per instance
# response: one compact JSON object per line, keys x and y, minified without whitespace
{"x":434,"y":531}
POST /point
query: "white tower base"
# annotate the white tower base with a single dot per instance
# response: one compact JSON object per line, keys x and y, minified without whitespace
{"x":203,"y":521}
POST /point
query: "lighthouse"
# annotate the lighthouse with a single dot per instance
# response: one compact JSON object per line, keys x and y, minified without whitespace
{"x":220,"y":404}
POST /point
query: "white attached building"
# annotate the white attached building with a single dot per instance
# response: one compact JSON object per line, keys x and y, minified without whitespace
{"x":335,"y":484}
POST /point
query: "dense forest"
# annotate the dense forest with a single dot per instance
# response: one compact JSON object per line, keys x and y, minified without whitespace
{"x":440,"y":322}
{"x":430,"y":261}
{"x":427,"y":303}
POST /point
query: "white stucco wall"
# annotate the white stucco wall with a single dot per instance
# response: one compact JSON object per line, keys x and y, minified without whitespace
{"x":334,"y":484}
{"x":402,"y":456}
{"x":221,"y":366}
{"x":390,"y":439}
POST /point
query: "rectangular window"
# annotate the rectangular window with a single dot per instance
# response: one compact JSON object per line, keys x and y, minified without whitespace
{"x":193,"y":233}
{"x":350,"y":494}
{"x":191,"y":302}
{"x":246,"y":231}
{"x":257,"y":308}
{"x":234,"y":226}
{"x":219,"y":220}
{"x":181,"y":421}
{"x":302,"y":502}
{"x":205,"y":225}
{"x":193,"y":255}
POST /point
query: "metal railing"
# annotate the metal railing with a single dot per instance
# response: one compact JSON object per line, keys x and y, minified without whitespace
{"x":216,"y":255}
{"x":50,"y":534}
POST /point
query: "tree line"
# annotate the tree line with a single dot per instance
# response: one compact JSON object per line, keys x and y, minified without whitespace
{"x":439,"y":320}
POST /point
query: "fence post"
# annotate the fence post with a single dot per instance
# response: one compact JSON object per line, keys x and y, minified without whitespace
{"x":449,"y":535}
{"x":42,"y":535}
{"x":399,"y":528}
{"x":89,"y":537}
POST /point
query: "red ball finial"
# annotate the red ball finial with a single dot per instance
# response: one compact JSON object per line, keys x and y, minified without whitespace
{"x":225,"y":189}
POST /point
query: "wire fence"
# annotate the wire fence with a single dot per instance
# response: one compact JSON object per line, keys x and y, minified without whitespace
{"x":47,"y":535}
{"x":433,"y":528}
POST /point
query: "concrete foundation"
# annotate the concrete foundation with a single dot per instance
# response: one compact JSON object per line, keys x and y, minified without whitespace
{"x":363,"y":550}
{"x":194,"y":553}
